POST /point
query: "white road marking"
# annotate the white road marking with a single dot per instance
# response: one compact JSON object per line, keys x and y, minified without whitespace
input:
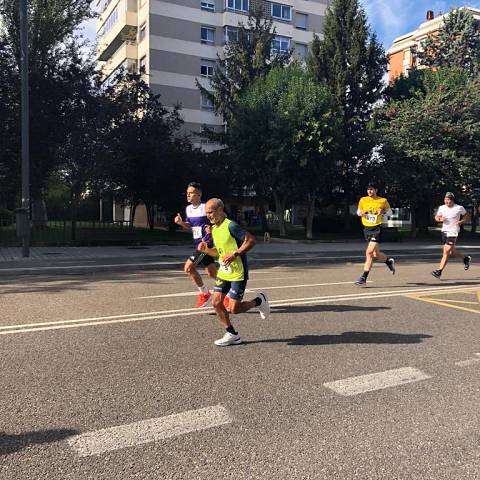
{"x":187,"y":294}
{"x":376,"y":381}
{"x":183,"y":312}
{"x":297,"y":258}
{"x":148,"y":431}
{"x":466,"y":363}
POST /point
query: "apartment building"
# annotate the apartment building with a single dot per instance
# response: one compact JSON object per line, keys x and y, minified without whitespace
{"x":401,"y":55}
{"x":176,"y":42}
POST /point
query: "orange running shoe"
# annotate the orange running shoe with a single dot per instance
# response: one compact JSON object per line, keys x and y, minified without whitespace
{"x":203,"y":300}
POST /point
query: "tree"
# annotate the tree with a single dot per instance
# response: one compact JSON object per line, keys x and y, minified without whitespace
{"x":54,"y":56}
{"x":457,"y":44}
{"x":9,"y":131}
{"x":148,"y":160}
{"x":51,"y":23}
{"x":280,"y":138}
{"x":431,"y":141}
{"x":243,"y":61}
{"x":351,"y":62}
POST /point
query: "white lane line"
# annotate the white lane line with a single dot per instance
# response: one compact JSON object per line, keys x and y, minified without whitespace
{"x":297,"y":258}
{"x":135,"y":317}
{"x":467,"y":363}
{"x":148,"y":431}
{"x":376,"y":381}
{"x":187,"y":294}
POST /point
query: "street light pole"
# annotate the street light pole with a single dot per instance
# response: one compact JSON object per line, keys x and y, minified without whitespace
{"x":25,"y":207}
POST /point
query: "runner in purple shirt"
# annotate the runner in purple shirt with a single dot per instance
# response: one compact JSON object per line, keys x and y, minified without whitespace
{"x":196,"y":221}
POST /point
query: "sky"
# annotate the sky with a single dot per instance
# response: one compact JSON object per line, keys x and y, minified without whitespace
{"x":392,"y":18}
{"x":387,"y":18}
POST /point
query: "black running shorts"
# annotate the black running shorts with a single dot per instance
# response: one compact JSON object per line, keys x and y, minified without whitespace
{"x":446,"y":240}
{"x":201,"y":259}
{"x":373,"y":234}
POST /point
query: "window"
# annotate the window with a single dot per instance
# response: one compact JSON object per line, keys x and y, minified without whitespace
{"x":207,"y":35}
{"x":142,"y":65}
{"x":206,"y":102}
{"x":109,"y":22}
{"x":301,"y":20}
{"x":282,"y":12}
{"x":241,"y":5}
{"x":142,"y":32}
{"x":280,"y":44}
{"x":231,"y":34}
{"x":301,"y":51}
{"x":206,"y":70}
{"x":209,"y":6}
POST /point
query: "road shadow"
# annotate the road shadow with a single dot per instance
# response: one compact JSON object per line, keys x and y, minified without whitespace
{"x":324,"y":308}
{"x":349,"y":337}
{"x":14,"y":443}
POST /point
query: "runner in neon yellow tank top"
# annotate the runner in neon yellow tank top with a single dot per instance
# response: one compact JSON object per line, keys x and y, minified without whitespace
{"x":230,"y":244}
{"x":372,"y":209}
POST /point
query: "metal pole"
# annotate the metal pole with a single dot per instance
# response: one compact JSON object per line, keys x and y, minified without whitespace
{"x":25,"y":127}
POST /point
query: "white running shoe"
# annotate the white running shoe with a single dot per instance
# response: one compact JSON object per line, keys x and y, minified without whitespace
{"x":264,"y":307}
{"x":228,"y":339}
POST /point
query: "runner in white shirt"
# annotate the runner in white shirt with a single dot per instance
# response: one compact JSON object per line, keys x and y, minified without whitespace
{"x":452,"y":216}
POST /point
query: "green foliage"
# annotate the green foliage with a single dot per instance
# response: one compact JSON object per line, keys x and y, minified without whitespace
{"x":281,"y":137}
{"x":51,"y":26}
{"x":431,"y":141}
{"x":243,"y":62}
{"x":146,"y":158}
{"x":457,"y":44}
{"x":351,"y":62}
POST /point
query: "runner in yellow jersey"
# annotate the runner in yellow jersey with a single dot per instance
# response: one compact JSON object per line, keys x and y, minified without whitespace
{"x":230,"y":245}
{"x":372,"y":209}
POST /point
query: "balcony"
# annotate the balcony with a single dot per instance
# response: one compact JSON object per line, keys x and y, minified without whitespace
{"x":126,"y":52}
{"x":123,"y":30}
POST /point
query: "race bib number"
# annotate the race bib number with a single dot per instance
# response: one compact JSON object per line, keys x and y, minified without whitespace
{"x":225,"y":268}
{"x":197,"y":232}
{"x":452,"y":234}
{"x":371,"y":218}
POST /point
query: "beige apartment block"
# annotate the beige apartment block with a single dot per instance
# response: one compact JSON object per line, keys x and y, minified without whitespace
{"x":176,"y":42}
{"x":401,"y":55}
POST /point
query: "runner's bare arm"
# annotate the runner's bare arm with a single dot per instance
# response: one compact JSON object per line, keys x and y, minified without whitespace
{"x":203,"y":247}
{"x":179,"y":221}
{"x":248,"y":243}
{"x":463,"y":219}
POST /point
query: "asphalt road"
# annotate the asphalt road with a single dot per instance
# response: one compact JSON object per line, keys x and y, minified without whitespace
{"x":113,"y":375}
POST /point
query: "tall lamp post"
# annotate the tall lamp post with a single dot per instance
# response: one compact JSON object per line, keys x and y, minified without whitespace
{"x":23,"y":214}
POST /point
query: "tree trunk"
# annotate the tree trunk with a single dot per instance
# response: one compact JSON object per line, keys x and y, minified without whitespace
{"x":74,"y":217}
{"x":346,"y":215}
{"x":150,"y":216}
{"x":39,"y":212}
{"x":474,"y":218}
{"x":413,"y":225}
{"x":263,"y":218}
{"x":280,"y":203}
{"x":133,"y":210}
{"x":310,"y":215}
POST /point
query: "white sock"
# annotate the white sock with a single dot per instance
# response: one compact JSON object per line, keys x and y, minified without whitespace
{"x":203,"y":289}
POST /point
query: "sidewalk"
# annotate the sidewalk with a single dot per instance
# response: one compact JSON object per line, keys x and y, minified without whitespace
{"x":66,"y":259}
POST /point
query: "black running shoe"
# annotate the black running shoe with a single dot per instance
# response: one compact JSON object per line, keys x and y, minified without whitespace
{"x":391,"y":265}
{"x":437,"y":274}
{"x":466,"y":261}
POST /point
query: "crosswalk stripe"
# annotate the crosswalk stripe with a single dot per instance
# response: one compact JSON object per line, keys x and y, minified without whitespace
{"x":376,"y":381}
{"x":148,"y":431}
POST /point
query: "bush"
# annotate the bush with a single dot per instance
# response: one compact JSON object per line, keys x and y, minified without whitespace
{"x":6,"y":217}
{"x":336,"y":224}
